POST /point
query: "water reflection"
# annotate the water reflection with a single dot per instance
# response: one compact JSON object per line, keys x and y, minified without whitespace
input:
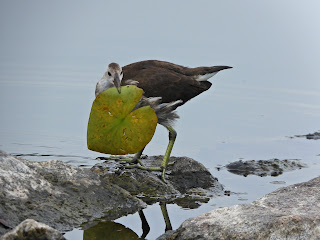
{"x":80,"y":161}
{"x":165,"y":214}
{"x":48,"y":155}
{"x":145,"y":224}
{"x":109,"y":230}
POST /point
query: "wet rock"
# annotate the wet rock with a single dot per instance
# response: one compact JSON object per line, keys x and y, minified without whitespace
{"x":187,"y":174}
{"x":188,"y":181}
{"x":272,"y":167}
{"x":310,"y":136}
{"x":57,"y":194}
{"x":288,"y":213}
{"x":30,"y":229}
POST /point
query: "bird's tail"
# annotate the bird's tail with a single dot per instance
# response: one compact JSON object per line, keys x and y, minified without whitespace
{"x":165,"y":111}
{"x":204,"y":73}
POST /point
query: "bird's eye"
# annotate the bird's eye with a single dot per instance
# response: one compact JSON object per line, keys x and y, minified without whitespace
{"x":121,"y":73}
{"x":109,"y":73}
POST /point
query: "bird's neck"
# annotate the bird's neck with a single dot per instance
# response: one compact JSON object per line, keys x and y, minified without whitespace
{"x":102,"y":85}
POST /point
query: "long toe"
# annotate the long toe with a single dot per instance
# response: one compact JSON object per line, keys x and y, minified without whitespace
{"x":163,"y":174}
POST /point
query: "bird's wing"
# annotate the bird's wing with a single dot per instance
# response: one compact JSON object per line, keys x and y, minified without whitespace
{"x":166,"y":83}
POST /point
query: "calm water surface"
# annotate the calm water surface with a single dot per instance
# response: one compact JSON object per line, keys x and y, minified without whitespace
{"x":49,"y":66}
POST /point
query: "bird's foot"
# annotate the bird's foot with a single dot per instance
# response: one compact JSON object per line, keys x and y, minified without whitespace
{"x":163,"y":175}
{"x":126,"y":159}
{"x":156,"y":169}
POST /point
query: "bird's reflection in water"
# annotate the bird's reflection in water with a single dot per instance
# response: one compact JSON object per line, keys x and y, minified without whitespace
{"x":109,"y":230}
{"x":144,"y":224}
{"x":165,"y":214}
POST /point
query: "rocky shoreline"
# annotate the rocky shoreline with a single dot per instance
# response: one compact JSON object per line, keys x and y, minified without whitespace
{"x":291,"y":212}
{"x":65,"y":197}
{"x":62,"y":197}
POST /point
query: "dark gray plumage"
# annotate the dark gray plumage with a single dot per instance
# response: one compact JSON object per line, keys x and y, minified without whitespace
{"x":170,"y":81}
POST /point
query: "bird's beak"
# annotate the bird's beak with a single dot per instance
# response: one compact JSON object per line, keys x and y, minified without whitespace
{"x":117,"y":83}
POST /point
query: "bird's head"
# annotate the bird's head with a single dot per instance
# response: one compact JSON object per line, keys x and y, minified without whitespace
{"x":114,"y":75}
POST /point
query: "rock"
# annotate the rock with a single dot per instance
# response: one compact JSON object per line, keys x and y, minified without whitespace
{"x":64,"y":197}
{"x":30,"y":229}
{"x":310,"y":136}
{"x":273,"y":167}
{"x":188,"y":181}
{"x":167,"y":235}
{"x":288,"y":213}
{"x":187,"y":174}
{"x":57,"y":194}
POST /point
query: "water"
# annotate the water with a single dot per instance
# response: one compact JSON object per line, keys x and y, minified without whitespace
{"x":52,"y":54}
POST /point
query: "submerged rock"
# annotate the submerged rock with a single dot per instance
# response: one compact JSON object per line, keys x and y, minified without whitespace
{"x":272,"y":167}
{"x":57,"y":194}
{"x":30,"y":229}
{"x":288,"y":213}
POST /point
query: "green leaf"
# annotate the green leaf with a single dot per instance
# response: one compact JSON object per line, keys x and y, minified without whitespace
{"x":113,"y":128}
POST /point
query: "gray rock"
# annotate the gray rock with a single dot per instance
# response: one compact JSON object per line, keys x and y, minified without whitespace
{"x":63,"y":196}
{"x":272,"y":167}
{"x":288,"y":213}
{"x":310,"y":136}
{"x":57,"y":194}
{"x":30,"y":229}
{"x":187,"y":174}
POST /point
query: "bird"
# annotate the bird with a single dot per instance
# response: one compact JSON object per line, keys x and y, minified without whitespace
{"x":166,"y":86}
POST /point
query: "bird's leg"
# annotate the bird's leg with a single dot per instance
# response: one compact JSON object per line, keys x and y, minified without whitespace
{"x":165,"y":161}
{"x":172,"y":138}
{"x":136,"y":158}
